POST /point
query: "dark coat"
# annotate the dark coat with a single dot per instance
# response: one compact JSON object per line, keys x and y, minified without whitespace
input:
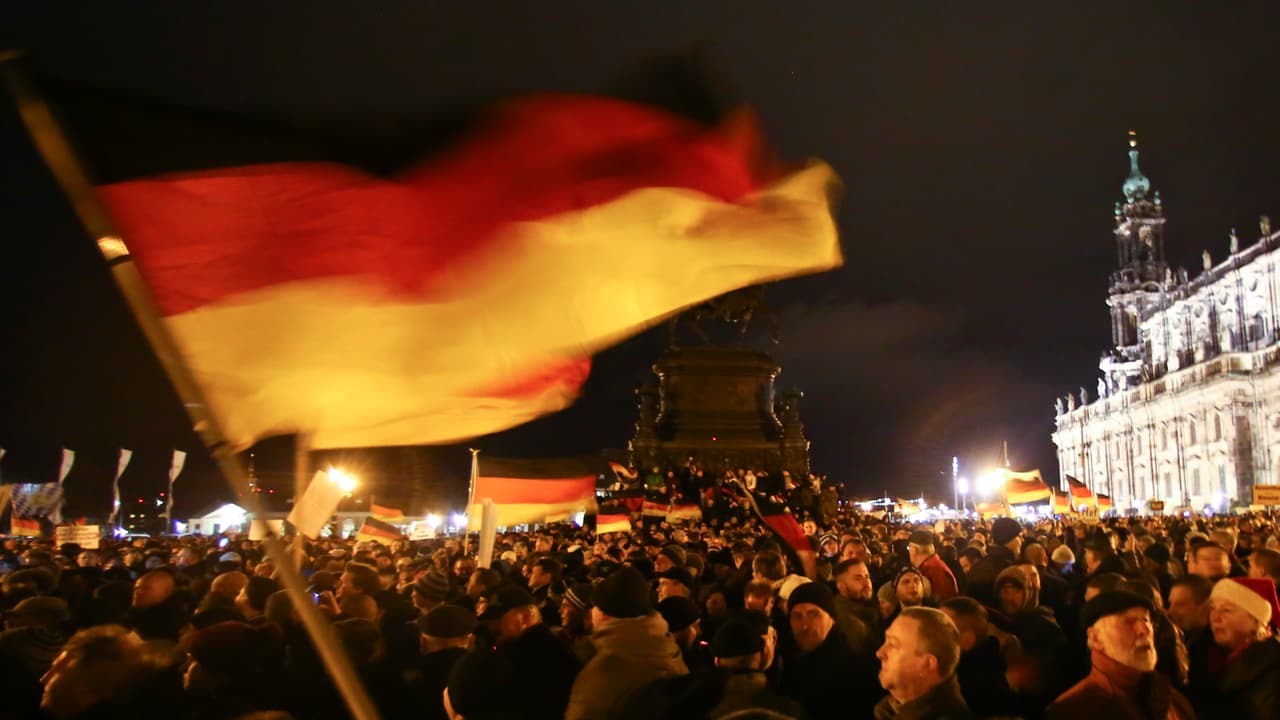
{"x":811,"y":679}
{"x":433,"y":679}
{"x":981,"y":580}
{"x":981,"y":674}
{"x":543,"y":668}
{"x":942,"y":702}
{"x":1250,"y":687}
{"x":1112,"y":690}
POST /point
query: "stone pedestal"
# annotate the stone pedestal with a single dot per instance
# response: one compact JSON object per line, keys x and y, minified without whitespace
{"x":715,"y":406}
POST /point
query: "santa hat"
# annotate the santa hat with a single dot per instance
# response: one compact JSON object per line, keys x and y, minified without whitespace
{"x":1256,"y":596}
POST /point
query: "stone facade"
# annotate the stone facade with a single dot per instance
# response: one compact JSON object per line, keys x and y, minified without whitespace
{"x":1187,"y":405}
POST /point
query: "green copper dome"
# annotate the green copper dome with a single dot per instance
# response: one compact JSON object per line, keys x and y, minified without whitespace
{"x":1137,"y":184}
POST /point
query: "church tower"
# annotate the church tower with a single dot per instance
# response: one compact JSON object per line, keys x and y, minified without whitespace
{"x":1137,"y":286}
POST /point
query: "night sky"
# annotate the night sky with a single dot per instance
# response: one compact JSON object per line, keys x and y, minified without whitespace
{"x":982,"y":146}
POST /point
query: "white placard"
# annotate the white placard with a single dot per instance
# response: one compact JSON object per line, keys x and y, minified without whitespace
{"x":261,"y":529}
{"x":317,"y":505}
{"x":86,"y":536}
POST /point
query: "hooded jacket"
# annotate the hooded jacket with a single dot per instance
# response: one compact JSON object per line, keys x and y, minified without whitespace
{"x":630,"y":653}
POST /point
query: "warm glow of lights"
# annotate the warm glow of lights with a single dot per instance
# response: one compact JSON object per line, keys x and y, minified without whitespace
{"x":992,"y":482}
{"x":962,"y":485}
{"x":344,"y":481}
{"x":458,"y":520}
{"x":432,"y":521}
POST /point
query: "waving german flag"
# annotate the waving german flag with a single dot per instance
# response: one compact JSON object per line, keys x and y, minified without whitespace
{"x":454,"y":291}
{"x":1080,"y":493}
{"x":1025,"y":487}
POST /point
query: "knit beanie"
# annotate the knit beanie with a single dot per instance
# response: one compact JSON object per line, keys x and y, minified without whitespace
{"x":1063,"y":555}
{"x":1256,"y":596}
{"x":815,"y":593}
{"x":1005,"y":529}
{"x":624,"y":594}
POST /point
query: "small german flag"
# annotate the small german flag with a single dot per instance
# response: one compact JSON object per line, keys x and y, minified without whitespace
{"x":613,"y":523}
{"x":24,"y":527}
{"x":378,"y":531}
{"x":529,"y":491}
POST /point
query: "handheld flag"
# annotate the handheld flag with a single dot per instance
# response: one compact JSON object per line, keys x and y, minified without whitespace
{"x":612,"y":523}
{"x":783,"y":525}
{"x":24,"y":527}
{"x":528,"y":491}
{"x":378,"y":531}
{"x":1025,"y":487}
{"x":121,"y":464}
{"x":1080,"y":493}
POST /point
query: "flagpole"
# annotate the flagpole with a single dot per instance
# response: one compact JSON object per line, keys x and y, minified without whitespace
{"x":71,"y":176}
{"x":471,"y":485}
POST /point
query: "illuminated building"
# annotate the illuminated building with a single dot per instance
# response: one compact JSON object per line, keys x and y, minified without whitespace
{"x":1187,"y":406}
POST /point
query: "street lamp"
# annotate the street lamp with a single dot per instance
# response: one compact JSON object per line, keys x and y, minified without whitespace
{"x":962,"y":487}
{"x":345,"y":482}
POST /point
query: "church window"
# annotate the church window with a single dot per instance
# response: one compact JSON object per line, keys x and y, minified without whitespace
{"x":1217,"y":427}
{"x":1164,"y":438}
{"x":1195,"y":482}
{"x":1191,"y":431}
{"x":1222,"y":479}
{"x":1167,"y":486}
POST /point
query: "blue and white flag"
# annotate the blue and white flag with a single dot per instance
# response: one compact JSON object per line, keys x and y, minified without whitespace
{"x":37,"y":500}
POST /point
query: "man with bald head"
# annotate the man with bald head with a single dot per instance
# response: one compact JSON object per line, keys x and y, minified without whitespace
{"x":157,"y":613}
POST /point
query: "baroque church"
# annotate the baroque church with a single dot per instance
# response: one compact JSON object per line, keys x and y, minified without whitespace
{"x":1187,"y":408}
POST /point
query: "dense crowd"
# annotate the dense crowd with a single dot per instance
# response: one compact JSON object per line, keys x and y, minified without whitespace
{"x":1136,"y":618}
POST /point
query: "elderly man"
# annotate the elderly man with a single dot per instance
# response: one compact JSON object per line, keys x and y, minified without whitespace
{"x":917,"y":667}
{"x":923,"y":556}
{"x":1241,"y":616}
{"x":1123,"y":682}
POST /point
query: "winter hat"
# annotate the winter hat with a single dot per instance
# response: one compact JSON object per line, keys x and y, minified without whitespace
{"x":678,"y":574}
{"x":1063,"y":555}
{"x":448,"y":621}
{"x":1005,"y":529}
{"x":815,"y":593}
{"x":676,"y":554}
{"x":624,"y":594}
{"x":40,"y":612}
{"x":507,"y":597}
{"x":433,"y":585}
{"x":579,"y":596}
{"x":736,"y":638}
{"x":1158,"y":553}
{"x":679,"y":612}
{"x":1256,"y":596}
{"x":1110,"y":603}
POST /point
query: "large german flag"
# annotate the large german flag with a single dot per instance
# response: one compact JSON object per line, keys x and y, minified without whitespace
{"x":530,"y":491}
{"x":369,"y":296}
{"x":1025,"y":487}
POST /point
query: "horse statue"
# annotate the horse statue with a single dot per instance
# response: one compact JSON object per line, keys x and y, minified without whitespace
{"x":734,"y":309}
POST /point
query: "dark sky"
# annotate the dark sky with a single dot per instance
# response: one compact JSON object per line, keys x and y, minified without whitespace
{"x":982,"y":146}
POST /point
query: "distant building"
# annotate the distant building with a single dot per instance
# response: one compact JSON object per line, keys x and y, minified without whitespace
{"x":1187,"y":407}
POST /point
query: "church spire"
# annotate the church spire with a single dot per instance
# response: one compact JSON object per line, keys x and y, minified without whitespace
{"x":1137,"y":184}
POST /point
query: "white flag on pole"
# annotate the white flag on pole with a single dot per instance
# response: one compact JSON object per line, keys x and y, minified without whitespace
{"x":125,"y":455}
{"x":179,"y":459}
{"x":68,"y":457}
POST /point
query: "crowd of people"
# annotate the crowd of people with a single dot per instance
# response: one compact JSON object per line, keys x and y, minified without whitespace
{"x":1142,"y":617}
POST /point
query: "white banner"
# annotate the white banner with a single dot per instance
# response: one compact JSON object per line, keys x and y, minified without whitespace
{"x":317,"y":505}
{"x":86,"y":536}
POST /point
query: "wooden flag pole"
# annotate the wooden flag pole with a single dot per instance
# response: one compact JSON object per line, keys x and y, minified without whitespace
{"x":67,"y":170}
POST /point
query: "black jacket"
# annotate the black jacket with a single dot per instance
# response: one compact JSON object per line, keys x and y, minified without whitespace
{"x":981,"y":674}
{"x":810,"y":679}
{"x":1250,"y":687}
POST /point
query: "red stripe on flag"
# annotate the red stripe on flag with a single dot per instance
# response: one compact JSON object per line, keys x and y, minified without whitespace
{"x":504,"y":490}
{"x":252,"y":227}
